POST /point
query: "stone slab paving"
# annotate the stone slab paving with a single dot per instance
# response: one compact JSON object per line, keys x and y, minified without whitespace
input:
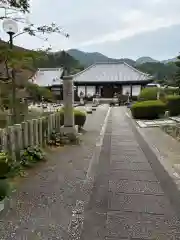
{"x":127,"y":200}
{"x":157,"y":123}
{"x":165,"y":146}
{"x":177,"y":119}
{"x":41,"y":208}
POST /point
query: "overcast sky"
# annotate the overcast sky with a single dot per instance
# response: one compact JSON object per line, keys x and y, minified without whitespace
{"x":116,"y":28}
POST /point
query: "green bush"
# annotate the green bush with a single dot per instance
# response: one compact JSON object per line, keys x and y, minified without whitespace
{"x":148,"y":109}
{"x":31,"y":155}
{"x":4,"y":189}
{"x":148,"y":94}
{"x":171,"y":91}
{"x":5,"y":165}
{"x":173,"y":105}
{"x":79,"y":117}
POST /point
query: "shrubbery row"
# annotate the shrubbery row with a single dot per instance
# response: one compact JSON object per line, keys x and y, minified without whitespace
{"x":149,"y":107}
{"x":79,"y":117}
{"x":173,"y":105}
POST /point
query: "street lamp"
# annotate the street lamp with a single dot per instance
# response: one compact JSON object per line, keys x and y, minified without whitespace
{"x":11,"y":28}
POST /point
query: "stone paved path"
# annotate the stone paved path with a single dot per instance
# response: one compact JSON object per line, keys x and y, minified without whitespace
{"x":127,"y":201}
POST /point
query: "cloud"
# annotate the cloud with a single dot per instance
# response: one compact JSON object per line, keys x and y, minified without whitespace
{"x":94,"y":24}
{"x":160,"y":44}
{"x":135,"y":22}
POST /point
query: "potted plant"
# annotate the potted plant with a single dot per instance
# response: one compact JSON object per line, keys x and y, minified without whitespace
{"x":4,"y":191}
{"x":5,"y":167}
{"x":32,"y":155}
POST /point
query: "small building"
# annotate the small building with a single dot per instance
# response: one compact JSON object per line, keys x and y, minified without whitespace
{"x":110,"y":78}
{"x":50,"y":78}
{"x":153,"y":85}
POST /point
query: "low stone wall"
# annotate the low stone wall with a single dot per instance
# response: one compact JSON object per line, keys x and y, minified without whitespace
{"x":172,"y":130}
{"x":34,"y":132}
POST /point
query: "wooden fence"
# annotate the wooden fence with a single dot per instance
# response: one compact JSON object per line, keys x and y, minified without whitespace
{"x":34,"y":132}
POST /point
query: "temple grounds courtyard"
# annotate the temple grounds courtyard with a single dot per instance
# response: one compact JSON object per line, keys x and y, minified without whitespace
{"x":112,"y":186}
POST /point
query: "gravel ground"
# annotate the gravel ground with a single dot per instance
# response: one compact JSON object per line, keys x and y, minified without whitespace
{"x":41,"y":207}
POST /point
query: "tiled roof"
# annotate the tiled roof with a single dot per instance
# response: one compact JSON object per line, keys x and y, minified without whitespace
{"x":47,"y":77}
{"x":111,"y":72}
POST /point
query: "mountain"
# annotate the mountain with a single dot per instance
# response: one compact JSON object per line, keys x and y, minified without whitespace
{"x":142,"y":60}
{"x":59,"y":59}
{"x":169,"y":60}
{"x":160,"y":70}
{"x":88,"y":59}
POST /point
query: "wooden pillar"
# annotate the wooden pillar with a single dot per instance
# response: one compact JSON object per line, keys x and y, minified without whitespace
{"x":76,"y":97}
{"x":30,"y":133}
{"x":85,"y":91}
{"x":100,"y":91}
{"x":12,"y":141}
{"x":40,"y":133}
{"x":25,"y":138}
{"x":131,"y":92}
{"x":4,"y":139}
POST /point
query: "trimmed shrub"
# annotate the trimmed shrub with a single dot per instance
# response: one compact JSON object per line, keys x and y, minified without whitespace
{"x":4,"y":189}
{"x":173,"y":105}
{"x":79,"y":117}
{"x":5,"y":165}
{"x":172,"y":91}
{"x":148,"y":109}
{"x":148,"y":94}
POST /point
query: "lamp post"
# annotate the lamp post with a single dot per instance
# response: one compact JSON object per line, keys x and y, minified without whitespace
{"x":11,"y":28}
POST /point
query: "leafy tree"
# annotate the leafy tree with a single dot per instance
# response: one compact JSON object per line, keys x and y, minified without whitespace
{"x":38,"y":93}
{"x":177,"y":75}
{"x":59,"y":59}
{"x":18,"y":61}
{"x":162,"y":72}
{"x":22,"y":5}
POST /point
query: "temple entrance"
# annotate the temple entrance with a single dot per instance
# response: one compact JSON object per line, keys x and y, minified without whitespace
{"x":109,"y":91}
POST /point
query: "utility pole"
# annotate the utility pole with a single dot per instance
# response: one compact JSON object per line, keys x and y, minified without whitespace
{"x":14,"y":116}
{"x":11,"y":28}
{"x":14,"y":113}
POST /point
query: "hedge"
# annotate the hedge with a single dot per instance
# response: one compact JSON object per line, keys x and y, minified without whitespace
{"x":4,"y":189}
{"x":173,"y":105}
{"x":79,"y":117}
{"x":171,"y":91}
{"x":148,"y":109}
{"x":148,"y":94}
